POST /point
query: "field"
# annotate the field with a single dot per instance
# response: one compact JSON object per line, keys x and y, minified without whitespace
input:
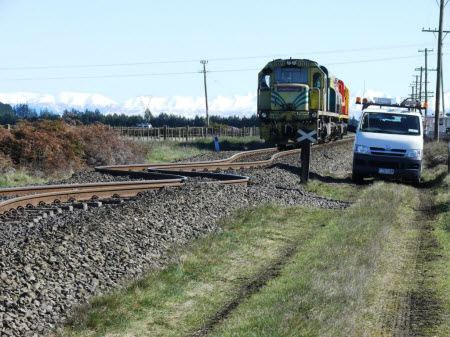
{"x":377,"y":268}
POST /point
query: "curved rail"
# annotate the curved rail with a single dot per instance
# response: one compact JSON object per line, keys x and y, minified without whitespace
{"x":156,"y":176}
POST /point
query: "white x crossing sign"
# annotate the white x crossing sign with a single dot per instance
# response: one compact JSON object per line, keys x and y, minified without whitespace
{"x":311,"y":136}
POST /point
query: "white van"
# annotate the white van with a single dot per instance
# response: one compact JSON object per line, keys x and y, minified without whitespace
{"x":389,"y":143}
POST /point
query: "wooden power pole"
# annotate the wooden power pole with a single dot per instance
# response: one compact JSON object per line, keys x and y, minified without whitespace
{"x":426,"y":76}
{"x":439,"y":86}
{"x":204,"y":62}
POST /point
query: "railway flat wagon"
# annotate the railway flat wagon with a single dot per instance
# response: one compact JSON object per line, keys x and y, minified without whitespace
{"x":298,"y":99}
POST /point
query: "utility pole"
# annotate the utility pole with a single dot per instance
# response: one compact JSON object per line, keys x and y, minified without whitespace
{"x":420,"y":87}
{"x":417,"y":86}
{"x":426,"y":76}
{"x":204,"y":62}
{"x":439,"y":85}
{"x":442,"y":88}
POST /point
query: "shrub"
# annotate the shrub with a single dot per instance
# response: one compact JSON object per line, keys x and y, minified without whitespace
{"x":57,"y":148}
{"x":435,"y":153}
{"x":104,"y":147}
{"x":48,"y":146}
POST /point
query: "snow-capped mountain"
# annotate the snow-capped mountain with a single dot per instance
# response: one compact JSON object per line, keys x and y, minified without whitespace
{"x":188,"y":106}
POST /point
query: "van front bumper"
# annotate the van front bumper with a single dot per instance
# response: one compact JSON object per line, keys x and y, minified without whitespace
{"x":369,"y":165}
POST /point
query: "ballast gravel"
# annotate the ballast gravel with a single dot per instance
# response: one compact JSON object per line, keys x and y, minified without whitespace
{"x":49,"y":268}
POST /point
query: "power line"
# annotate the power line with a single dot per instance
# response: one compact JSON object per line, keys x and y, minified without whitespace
{"x":188,"y":72}
{"x":127,"y":64}
{"x":375,"y":60}
{"x":99,"y":76}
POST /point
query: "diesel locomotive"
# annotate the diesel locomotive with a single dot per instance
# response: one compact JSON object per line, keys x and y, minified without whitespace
{"x":299,"y":97}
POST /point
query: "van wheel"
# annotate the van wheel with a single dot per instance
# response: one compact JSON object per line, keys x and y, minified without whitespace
{"x":416,"y":182}
{"x":357,"y":178}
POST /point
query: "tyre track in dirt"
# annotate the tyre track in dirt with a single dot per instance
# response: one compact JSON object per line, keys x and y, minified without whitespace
{"x":419,"y":311}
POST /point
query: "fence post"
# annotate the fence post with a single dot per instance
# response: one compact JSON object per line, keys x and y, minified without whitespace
{"x":9,"y":127}
{"x":187,"y":133}
{"x":165,"y":132}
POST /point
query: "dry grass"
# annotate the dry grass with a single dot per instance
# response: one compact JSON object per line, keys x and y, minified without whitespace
{"x":435,"y":154}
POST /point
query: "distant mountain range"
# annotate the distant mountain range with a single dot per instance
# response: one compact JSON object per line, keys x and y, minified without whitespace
{"x":179,"y":105}
{"x":188,"y":106}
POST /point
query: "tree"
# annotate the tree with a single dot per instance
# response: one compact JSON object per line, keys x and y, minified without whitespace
{"x":148,"y":117}
{"x":7,"y":114}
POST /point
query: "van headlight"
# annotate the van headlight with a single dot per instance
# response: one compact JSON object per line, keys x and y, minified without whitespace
{"x":361,"y":149}
{"x":416,"y":154}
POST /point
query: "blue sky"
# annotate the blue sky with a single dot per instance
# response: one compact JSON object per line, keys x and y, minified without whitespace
{"x":342,"y":35}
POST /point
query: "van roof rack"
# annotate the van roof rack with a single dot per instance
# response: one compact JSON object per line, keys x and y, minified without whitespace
{"x":408,"y":103}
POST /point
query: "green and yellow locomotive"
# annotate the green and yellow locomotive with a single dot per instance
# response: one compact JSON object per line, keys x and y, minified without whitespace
{"x":298,"y":100}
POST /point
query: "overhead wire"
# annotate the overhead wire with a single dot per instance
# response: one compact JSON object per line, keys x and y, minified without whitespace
{"x":192,"y":72}
{"x":127,"y":64}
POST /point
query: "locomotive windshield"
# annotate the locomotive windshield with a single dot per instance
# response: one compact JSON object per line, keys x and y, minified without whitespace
{"x":391,"y":123}
{"x":291,"y":75}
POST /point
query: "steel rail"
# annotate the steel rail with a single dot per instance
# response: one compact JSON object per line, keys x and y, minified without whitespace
{"x":157,"y":176}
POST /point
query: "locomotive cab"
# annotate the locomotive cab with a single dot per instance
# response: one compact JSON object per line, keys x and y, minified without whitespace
{"x":298,"y":95}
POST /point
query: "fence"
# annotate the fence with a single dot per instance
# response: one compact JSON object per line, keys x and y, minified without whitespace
{"x":184,"y":133}
{"x":178,"y":134}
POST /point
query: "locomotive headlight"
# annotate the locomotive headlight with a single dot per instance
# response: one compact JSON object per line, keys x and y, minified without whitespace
{"x":264,"y":115}
{"x":288,"y":63}
{"x":313,"y":115}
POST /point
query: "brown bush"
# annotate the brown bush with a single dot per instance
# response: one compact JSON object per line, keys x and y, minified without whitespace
{"x":55,"y":147}
{"x":5,"y":163}
{"x":48,"y":146}
{"x":104,"y":147}
{"x":435,"y":154}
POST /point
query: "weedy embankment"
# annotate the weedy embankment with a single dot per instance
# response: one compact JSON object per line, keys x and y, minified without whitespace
{"x":272,"y":271}
{"x":43,"y":150}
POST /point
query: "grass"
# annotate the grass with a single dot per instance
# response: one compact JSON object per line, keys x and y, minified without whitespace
{"x":327,"y":288}
{"x":169,"y":151}
{"x":19,"y":178}
{"x":442,"y":265}
{"x":179,"y":299}
{"x":332,"y":187}
{"x":435,"y":153}
{"x":323,"y":287}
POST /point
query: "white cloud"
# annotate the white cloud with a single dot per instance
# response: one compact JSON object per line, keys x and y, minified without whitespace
{"x":189,"y":106}
{"x":242,"y":105}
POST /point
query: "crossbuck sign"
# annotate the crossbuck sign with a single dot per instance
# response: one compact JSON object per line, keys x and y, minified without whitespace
{"x":307,"y":135}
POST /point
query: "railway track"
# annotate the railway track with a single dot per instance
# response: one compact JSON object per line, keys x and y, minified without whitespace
{"x":35,"y":202}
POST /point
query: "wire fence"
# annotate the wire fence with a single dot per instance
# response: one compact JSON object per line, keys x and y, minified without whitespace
{"x":184,"y":133}
{"x":177,"y":134}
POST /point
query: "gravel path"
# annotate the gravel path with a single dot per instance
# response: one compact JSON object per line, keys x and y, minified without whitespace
{"x":47,"y":269}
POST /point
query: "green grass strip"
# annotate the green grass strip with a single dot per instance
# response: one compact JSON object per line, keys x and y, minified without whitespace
{"x":325,"y":290}
{"x":204,"y":278}
{"x":19,"y":178}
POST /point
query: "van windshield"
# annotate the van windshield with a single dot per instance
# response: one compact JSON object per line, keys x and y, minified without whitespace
{"x":390,"y":123}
